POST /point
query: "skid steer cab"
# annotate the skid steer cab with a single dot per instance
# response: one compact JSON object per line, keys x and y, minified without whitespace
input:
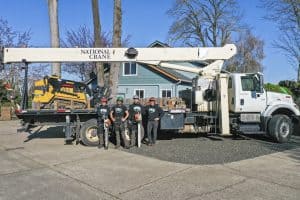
{"x":255,"y":110}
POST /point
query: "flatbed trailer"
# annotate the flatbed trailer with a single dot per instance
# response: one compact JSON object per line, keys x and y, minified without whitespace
{"x":81,"y":124}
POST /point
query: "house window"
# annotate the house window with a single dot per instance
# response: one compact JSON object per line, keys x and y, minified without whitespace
{"x":166,"y":93}
{"x":129,"y":69}
{"x":140,"y":93}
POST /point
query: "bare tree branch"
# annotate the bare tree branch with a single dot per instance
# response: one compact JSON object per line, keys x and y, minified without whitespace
{"x":204,"y":22}
{"x":13,"y":73}
{"x":286,"y":14}
{"x":82,"y":37}
{"x":249,"y":55}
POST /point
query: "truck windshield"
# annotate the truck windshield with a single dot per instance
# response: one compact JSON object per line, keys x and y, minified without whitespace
{"x":250,"y":83}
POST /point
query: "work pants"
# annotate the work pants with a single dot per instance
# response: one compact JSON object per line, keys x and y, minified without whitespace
{"x":120,"y":132}
{"x":152,"y":131}
{"x":100,"y":133}
{"x":133,"y":133}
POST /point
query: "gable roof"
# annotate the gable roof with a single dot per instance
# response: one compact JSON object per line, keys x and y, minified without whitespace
{"x":157,"y":43}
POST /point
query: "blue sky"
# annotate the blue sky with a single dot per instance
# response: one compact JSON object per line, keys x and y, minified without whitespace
{"x":145,"y":21}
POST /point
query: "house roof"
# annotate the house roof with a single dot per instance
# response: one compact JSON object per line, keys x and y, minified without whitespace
{"x":157,"y":43}
{"x":172,"y":74}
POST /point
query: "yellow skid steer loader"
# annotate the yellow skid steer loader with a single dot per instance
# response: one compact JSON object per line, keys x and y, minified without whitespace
{"x":54,"y":93}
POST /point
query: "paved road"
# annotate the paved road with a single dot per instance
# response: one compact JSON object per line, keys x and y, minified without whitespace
{"x":43,"y":168}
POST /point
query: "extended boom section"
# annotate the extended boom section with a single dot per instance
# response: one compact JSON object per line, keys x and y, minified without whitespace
{"x":45,"y":55}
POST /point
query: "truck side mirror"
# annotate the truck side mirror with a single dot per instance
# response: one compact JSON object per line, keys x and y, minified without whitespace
{"x":259,"y":83}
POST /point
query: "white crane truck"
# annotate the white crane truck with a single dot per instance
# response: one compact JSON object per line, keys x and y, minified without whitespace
{"x":223,"y":103}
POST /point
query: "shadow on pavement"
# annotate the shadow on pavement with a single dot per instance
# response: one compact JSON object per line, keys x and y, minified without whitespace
{"x":51,"y":132}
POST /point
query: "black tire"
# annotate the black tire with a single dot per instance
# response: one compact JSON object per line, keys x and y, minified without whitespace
{"x":280,"y":128}
{"x":88,"y":133}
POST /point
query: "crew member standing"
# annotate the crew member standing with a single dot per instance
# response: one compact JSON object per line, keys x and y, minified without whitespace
{"x":119,"y":115}
{"x":102,"y":110}
{"x":154,"y":114}
{"x":136,"y":110}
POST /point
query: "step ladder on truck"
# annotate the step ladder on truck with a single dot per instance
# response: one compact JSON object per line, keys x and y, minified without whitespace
{"x":223,"y":103}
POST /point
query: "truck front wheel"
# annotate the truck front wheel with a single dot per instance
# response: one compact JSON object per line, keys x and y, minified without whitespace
{"x":88,"y":133}
{"x":280,"y":128}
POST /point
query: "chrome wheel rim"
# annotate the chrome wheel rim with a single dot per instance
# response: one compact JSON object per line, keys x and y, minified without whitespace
{"x":284,"y":129}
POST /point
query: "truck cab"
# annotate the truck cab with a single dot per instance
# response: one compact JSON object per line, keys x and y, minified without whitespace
{"x":253,"y":109}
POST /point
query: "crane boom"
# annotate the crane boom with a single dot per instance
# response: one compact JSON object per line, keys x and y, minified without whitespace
{"x":47,"y":55}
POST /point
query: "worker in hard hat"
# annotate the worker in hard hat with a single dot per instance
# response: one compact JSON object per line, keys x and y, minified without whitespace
{"x":154,"y":114}
{"x":136,"y":110}
{"x":119,"y":114}
{"x":102,"y":110}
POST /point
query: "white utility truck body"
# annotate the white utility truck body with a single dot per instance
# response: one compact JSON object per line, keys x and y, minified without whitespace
{"x":222,"y":103}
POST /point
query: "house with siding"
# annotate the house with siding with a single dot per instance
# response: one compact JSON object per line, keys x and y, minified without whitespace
{"x":147,"y":80}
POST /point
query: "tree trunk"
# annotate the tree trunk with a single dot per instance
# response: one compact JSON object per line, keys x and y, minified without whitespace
{"x":54,"y":33}
{"x":97,"y":40}
{"x":298,"y":78}
{"x":117,"y":33}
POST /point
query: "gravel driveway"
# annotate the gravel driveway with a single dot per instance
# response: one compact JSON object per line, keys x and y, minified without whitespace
{"x":192,"y":149}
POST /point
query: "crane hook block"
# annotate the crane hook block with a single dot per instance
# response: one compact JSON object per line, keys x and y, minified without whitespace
{"x":131,"y":53}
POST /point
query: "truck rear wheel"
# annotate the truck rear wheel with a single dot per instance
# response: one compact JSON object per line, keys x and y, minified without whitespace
{"x":88,"y":133}
{"x":280,"y":128}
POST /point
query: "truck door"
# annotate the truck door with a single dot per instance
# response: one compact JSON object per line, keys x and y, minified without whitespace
{"x":250,"y":94}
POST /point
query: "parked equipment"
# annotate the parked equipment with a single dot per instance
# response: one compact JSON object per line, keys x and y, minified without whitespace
{"x":221,"y":103}
{"x":53,"y":93}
